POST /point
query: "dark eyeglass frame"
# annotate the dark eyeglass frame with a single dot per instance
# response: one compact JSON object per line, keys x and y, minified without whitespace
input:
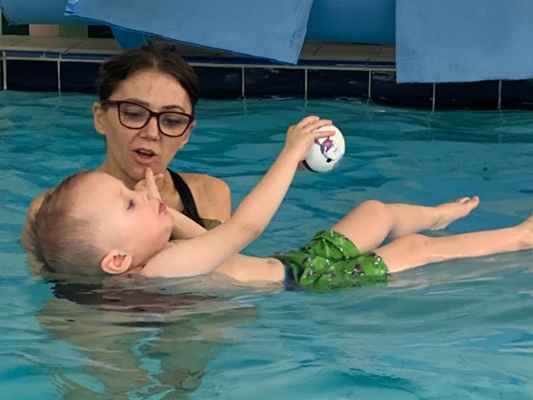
{"x":151,"y":114}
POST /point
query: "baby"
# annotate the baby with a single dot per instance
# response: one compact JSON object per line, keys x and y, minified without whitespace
{"x":92,"y":223}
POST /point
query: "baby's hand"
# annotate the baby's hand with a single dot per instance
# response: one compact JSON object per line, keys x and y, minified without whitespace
{"x":300,"y":137}
{"x":149,"y":183}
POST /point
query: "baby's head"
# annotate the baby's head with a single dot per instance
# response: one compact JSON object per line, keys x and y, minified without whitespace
{"x":62,"y":240}
{"x":92,"y":223}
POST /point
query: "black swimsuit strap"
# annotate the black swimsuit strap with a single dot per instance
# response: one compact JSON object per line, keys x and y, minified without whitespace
{"x":189,"y":206}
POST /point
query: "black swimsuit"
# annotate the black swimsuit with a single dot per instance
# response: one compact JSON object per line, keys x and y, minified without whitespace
{"x":189,"y":206}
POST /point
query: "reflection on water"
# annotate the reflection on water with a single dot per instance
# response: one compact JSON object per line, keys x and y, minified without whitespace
{"x":458,"y":330}
{"x":135,"y":341}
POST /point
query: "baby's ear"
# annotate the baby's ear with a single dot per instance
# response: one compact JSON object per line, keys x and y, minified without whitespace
{"x":116,"y":262}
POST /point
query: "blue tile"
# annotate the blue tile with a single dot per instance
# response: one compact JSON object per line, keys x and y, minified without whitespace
{"x":517,"y":94}
{"x":331,"y":64}
{"x":382,"y":64}
{"x":384,"y":89}
{"x":25,"y":53}
{"x":32,"y":76}
{"x":220,"y":82}
{"x":337,"y":83}
{"x":79,"y":77}
{"x":271,"y":82}
{"x":226,"y":60}
{"x":52,"y":54}
{"x":86,"y":57}
{"x":467,"y":95}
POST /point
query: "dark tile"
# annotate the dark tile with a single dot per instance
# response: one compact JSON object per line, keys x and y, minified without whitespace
{"x":11,"y":29}
{"x":32,"y":76}
{"x":270,"y":82}
{"x":79,"y":77}
{"x":99,"y":31}
{"x":384,"y":89}
{"x":337,"y":83}
{"x":220,"y":82}
{"x":481,"y":95}
{"x":517,"y":94}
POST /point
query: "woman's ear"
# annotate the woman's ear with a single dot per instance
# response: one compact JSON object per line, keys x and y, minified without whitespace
{"x":98,"y":115}
{"x":116,"y":262}
{"x":185,"y":137}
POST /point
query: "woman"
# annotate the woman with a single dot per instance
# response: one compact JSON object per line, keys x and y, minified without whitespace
{"x":146,"y":114}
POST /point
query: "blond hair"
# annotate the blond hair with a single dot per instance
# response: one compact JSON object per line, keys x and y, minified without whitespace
{"x":65,"y":243}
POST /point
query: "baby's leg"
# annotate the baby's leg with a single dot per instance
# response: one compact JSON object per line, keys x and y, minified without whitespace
{"x":371,"y":222}
{"x":414,"y":250}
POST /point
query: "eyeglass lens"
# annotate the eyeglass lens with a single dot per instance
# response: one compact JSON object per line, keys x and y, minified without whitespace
{"x":170,"y":123}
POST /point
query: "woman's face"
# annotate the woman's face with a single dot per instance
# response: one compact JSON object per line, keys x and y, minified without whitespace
{"x":130,"y":151}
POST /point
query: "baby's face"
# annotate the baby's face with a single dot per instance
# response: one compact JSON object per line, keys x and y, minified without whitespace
{"x":130,"y":221}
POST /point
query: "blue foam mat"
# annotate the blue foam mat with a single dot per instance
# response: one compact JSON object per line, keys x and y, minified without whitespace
{"x":272,"y":30}
{"x":463,"y":40}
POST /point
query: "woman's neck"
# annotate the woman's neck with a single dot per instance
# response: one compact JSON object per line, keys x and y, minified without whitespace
{"x":118,"y":173}
{"x":163,"y":185}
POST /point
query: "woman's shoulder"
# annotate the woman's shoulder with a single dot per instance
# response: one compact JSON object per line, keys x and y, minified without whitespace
{"x":25,"y":237}
{"x":204,"y":182}
{"x":35,"y":205}
{"x":212,"y":195}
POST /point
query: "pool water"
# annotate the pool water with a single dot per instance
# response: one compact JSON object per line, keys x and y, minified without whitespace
{"x":455,"y":330}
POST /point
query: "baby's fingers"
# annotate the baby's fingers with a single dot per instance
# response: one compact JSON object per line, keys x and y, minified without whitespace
{"x":312,"y":123}
{"x":324,"y":131}
{"x":151,"y":185}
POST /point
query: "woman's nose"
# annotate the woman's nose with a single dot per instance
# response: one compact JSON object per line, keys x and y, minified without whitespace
{"x":151,"y":130}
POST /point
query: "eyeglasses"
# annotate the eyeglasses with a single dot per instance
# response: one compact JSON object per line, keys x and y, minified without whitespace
{"x":134,"y":116}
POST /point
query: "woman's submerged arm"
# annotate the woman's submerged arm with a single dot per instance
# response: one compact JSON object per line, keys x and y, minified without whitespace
{"x":25,"y":235}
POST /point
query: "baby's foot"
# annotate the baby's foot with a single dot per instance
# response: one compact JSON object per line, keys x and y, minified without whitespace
{"x":527,"y":225}
{"x":450,"y":212}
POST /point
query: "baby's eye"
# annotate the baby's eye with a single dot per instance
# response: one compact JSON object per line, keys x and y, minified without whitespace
{"x":131,"y":204}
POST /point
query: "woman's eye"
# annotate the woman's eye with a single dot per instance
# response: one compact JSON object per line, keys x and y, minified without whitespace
{"x":131,"y":204}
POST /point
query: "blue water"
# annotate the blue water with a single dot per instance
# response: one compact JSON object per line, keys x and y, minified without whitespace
{"x":456,"y":330}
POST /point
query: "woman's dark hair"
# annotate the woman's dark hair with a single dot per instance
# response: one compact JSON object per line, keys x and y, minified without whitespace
{"x":157,"y":54}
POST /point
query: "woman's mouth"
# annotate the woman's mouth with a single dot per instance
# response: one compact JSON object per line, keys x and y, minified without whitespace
{"x":144,"y":156}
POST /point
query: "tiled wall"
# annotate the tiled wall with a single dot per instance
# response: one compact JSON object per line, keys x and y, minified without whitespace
{"x":227,"y":77}
{"x":34,"y":71}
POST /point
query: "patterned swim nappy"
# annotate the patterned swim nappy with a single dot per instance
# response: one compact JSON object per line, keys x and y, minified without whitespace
{"x":331,"y":261}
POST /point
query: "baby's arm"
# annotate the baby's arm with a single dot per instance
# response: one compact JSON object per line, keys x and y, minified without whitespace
{"x":207,"y":251}
{"x":239,"y":267}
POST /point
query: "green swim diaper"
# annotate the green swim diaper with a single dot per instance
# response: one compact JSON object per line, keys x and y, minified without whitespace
{"x":332,"y":261}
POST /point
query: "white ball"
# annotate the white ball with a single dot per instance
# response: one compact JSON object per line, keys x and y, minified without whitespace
{"x":327,"y":153}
